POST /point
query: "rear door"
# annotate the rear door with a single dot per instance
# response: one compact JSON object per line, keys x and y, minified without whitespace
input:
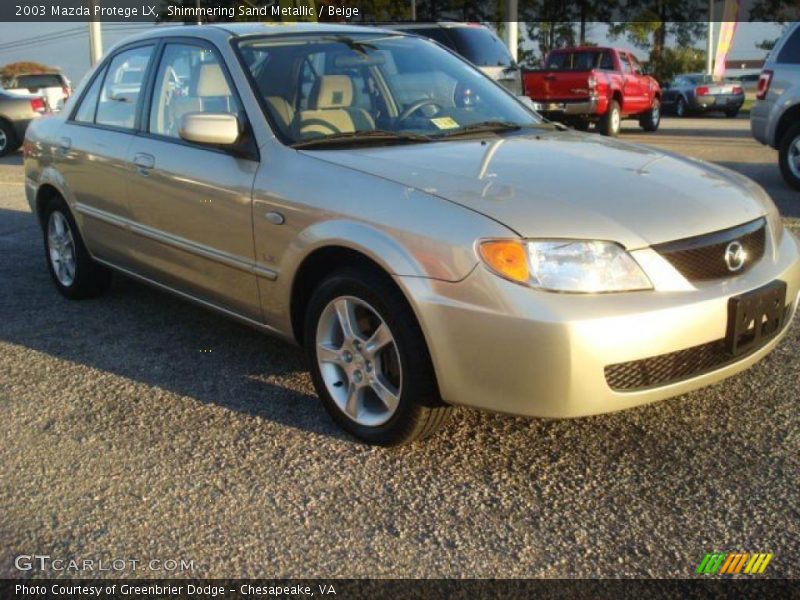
{"x":192,"y":204}
{"x":92,"y":151}
{"x":634,"y":95}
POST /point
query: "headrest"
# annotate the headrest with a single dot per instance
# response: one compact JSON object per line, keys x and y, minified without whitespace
{"x":332,"y":91}
{"x":211,"y":81}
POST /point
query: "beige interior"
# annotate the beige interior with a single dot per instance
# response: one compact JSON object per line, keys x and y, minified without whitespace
{"x":331,"y":109}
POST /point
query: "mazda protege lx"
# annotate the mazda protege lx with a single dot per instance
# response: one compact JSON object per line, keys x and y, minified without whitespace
{"x":424,"y":236}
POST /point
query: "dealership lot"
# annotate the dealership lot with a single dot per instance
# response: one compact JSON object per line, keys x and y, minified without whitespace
{"x":139,"y":427}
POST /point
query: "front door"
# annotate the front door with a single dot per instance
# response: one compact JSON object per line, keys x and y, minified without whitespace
{"x":192,"y":204}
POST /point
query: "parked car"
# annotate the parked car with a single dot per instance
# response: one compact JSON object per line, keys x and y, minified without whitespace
{"x":16,"y":112}
{"x":587,"y":85}
{"x":775,"y":116}
{"x":55,"y":88}
{"x":424,"y":250}
{"x":478,"y":44}
{"x":700,"y":93}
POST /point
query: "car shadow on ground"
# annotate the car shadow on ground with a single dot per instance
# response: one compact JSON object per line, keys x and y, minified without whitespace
{"x":669,"y":129}
{"x":151,"y":337}
{"x":13,"y":159}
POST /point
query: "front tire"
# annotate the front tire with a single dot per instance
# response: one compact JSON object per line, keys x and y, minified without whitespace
{"x":652,"y":119}
{"x":369,"y":361}
{"x":789,"y":156}
{"x":75,"y":274}
{"x":610,"y":122}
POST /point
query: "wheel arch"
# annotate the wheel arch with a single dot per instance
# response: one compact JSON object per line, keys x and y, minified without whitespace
{"x":46,"y":194}
{"x":788,"y":118}
{"x":318,"y":264}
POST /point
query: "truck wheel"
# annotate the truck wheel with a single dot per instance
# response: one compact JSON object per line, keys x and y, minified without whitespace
{"x":8,"y":141}
{"x":680,"y":107}
{"x":369,"y":361}
{"x":652,"y":119}
{"x":789,"y":156}
{"x":610,"y":122}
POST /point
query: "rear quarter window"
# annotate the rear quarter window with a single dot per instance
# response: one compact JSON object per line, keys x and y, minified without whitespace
{"x":480,"y":46}
{"x":790,"y":51}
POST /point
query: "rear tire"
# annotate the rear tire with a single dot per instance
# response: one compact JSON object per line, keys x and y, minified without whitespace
{"x":343,"y":366}
{"x":680,"y":107}
{"x":75,"y":274}
{"x":731,"y":113}
{"x":610,"y":122}
{"x":789,"y":156}
{"x":8,"y":139}
{"x":652,"y":119}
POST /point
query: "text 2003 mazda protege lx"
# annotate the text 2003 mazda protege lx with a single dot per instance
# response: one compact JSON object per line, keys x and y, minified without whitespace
{"x":425,"y":237}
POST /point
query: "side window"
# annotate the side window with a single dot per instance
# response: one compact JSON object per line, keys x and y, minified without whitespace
{"x":85,"y":112}
{"x":790,"y":53}
{"x":626,"y":63}
{"x":637,"y":68}
{"x":190,"y":79}
{"x":122,"y":88}
{"x":606,"y":62}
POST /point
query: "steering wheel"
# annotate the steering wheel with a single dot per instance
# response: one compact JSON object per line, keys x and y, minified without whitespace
{"x":415,"y":107}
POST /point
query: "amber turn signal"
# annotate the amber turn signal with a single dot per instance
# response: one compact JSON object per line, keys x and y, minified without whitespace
{"x":507,"y":257}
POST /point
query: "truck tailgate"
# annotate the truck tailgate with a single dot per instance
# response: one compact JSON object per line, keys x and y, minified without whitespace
{"x":557,"y":85}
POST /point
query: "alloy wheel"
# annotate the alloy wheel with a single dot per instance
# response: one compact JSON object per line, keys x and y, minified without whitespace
{"x":615,"y":120}
{"x":794,"y":157}
{"x":359,"y":361}
{"x":3,"y":140}
{"x":61,"y":247}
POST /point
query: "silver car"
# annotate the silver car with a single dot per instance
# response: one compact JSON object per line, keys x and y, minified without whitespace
{"x":425,"y":237}
{"x":775,"y":116}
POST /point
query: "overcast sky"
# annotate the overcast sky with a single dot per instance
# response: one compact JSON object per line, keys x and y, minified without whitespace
{"x":71,"y":52}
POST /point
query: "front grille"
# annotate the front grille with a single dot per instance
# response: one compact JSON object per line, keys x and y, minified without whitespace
{"x":703,"y":257}
{"x":675,"y":366}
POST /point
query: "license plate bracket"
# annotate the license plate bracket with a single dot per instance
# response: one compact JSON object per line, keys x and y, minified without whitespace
{"x":755,"y":317}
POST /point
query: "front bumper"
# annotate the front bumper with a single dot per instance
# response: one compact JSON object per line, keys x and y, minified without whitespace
{"x":507,"y":348}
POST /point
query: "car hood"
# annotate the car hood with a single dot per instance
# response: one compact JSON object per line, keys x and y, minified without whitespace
{"x":564,"y":184}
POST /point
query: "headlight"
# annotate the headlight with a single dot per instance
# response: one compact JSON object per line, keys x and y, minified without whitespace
{"x":565,"y":265}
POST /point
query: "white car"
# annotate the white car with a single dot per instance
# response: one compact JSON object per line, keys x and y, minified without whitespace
{"x":55,"y":88}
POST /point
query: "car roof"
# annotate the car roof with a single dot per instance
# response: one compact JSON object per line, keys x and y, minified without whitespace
{"x":213,"y":30}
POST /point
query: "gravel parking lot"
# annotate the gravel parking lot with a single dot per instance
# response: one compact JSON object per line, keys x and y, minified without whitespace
{"x":138,"y":426}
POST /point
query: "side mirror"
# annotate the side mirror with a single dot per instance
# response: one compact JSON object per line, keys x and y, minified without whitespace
{"x":216,"y":129}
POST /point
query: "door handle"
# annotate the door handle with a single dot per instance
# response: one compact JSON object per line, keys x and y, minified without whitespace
{"x":144,"y":162}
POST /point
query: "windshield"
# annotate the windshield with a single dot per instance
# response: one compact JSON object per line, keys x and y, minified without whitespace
{"x":384,"y":86}
{"x":44,"y":80}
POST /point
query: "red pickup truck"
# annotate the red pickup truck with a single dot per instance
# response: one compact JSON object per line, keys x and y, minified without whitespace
{"x":587,"y":85}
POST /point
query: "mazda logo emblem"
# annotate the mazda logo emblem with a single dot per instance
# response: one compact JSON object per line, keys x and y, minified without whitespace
{"x":735,"y":256}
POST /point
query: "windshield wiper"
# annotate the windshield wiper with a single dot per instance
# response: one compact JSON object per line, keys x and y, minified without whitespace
{"x":482,"y":127}
{"x":350,"y":137}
